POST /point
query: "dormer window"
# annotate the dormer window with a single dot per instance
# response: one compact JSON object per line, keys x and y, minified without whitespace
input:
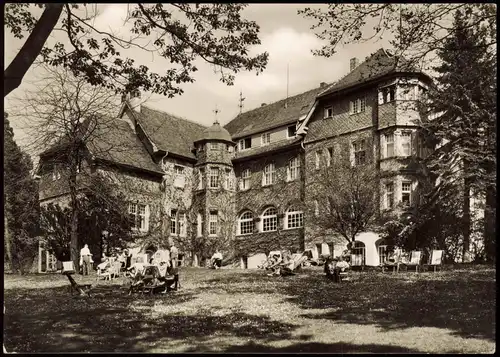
{"x":291,"y":130}
{"x":244,"y":144}
{"x":265,"y":139}
{"x":328,"y":112}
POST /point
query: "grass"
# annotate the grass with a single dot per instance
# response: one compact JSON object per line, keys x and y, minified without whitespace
{"x":231,"y":310}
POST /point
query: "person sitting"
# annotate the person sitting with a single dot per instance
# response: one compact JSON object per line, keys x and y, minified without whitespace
{"x":216,"y":260}
{"x":341,"y":268}
{"x":275,"y":265}
{"x":105,"y":264}
{"x":330,"y":268}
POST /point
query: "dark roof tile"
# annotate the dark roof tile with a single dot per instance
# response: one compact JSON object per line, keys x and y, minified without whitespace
{"x":268,"y":148}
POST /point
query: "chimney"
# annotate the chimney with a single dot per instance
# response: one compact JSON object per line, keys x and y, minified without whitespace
{"x":354,"y":63}
{"x":135,"y":100}
{"x":322,"y":84}
{"x":263,"y":104}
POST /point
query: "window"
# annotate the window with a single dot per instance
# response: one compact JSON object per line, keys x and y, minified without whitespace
{"x":245,"y":180}
{"x":269,"y":175}
{"x":270,"y":220}
{"x":316,"y":208}
{"x":389,"y":145}
{"x":357,"y":105}
{"x":329,"y":156}
{"x":182,"y":224}
{"x":229,"y":180}
{"x":293,"y":169}
{"x":245,"y":223}
{"x":265,"y":139}
{"x":406,"y":143}
{"x":317,"y":158}
{"x":214,"y":146}
{"x":387,"y":94}
{"x":359,"y":148}
{"x":406,"y":193}
{"x":389,"y":195}
{"x":139,"y":215}
{"x":178,"y":170}
{"x":291,"y":132}
{"x":244,"y":144}
{"x":214,"y":177}
{"x":174,"y":229}
{"x":294,"y":218}
{"x":230,"y":148}
{"x":328,"y":112}
{"x":56,"y":172}
{"x":212,"y":228}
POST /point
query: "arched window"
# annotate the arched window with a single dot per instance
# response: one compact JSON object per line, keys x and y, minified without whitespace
{"x":270,"y":220}
{"x":293,"y":169}
{"x":269,"y":175}
{"x":358,"y":253}
{"x":294,"y":218}
{"x":245,"y":223}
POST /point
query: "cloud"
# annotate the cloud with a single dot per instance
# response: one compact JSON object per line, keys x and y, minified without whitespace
{"x":112,"y":19}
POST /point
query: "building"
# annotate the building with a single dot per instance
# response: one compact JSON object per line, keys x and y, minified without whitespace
{"x":247,"y":184}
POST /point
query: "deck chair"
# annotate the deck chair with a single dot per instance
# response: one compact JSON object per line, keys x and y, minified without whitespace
{"x":357,"y":260}
{"x":415,"y":258}
{"x":436,"y":259}
{"x":68,"y":270}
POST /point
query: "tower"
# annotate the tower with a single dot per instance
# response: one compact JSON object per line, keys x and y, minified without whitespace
{"x":214,"y":191}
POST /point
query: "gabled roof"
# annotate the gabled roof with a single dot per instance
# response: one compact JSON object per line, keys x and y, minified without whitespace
{"x":170,"y":133}
{"x":116,"y":142}
{"x":272,"y":115}
{"x":375,"y":66}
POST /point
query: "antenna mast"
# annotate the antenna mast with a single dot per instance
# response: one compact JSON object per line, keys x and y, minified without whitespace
{"x":241,"y":101}
{"x":287,"y":80}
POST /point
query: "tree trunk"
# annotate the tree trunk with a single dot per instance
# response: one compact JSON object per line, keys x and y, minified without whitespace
{"x":16,"y":70}
{"x":7,"y":241}
{"x":466,"y":219}
{"x":489,"y":225}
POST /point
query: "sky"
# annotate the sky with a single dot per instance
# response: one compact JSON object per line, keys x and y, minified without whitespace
{"x":284,"y":34}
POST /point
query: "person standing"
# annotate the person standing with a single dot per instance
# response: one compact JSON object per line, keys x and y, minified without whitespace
{"x":85,"y":257}
{"x":174,"y":255}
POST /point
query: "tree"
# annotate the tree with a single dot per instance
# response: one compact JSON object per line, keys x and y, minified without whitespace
{"x":346,"y":199}
{"x":419,"y":29}
{"x":68,"y":121}
{"x":21,"y":203}
{"x":464,"y":122}
{"x":179,"y":33}
{"x":103,"y":208}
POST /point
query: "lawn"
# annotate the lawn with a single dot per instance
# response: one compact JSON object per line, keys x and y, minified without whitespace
{"x":231,"y":310}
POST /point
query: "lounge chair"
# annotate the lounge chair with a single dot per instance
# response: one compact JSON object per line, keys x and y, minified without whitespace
{"x":68,"y":270}
{"x":436,"y":259}
{"x":415,"y":259}
{"x":112,"y":271}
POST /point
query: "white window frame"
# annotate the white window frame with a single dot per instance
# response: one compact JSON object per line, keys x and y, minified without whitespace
{"x":288,"y":133}
{"x":294,"y":216}
{"x":212,"y":223}
{"x":406,"y":134}
{"x":265,"y":139}
{"x":316,"y":208}
{"x":213,"y":180}
{"x":241,"y":144}
{"x":56,"y":172}
{"x":328,"y":112}
{"x":359,"y":146}
{"x":199,"y":228}
{"x":174,"y":222}
{"x":357,"y":105}
{"x":179,"y":170}
{"x":389,"y":195}
{"x":387,"y":143}
{"x":404,"y":192}
{"x":329,"y":156}
{"x":269,"y":220}
{"x":293,"y":169}
{"x":141,"y":220}
{"x":245,"y":180}
{"x":269,"y":175}
{"x":246,"y":224}
{"x":214,"y":146}
{"x":317,"y":159}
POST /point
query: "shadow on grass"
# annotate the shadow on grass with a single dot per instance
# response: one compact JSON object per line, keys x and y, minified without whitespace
{"x":49,"y":320}
{"x":317,"y":347}
{"x":463,"y":301}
